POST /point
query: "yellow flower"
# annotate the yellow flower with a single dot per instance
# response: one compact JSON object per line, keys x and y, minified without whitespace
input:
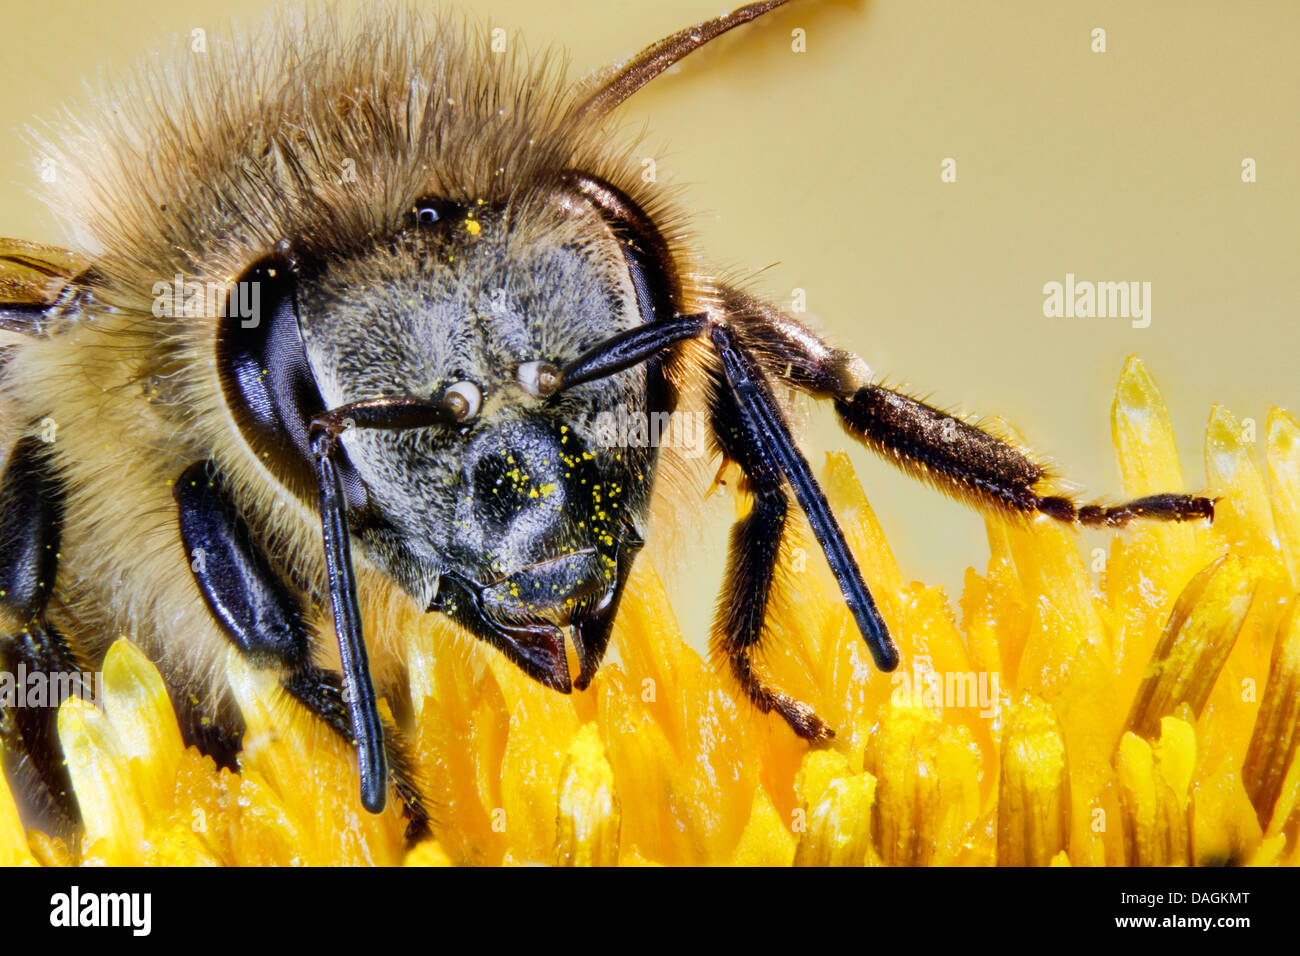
{"x":1139,"y":707}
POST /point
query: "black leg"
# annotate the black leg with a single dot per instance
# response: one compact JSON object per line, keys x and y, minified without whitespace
{"x":31,"y":527}
{"x":755,"y":341}
{"x":258,"y":612}
{"x":264,"y":618}
{"x":31,"y":518}
{"x":751,"y":563}
{"x":752,"y":431}
{"x":216,"y":731}
{"x":928,"y":443}
{"x":969,"y":463}
{"x":767,"y":434}
{"x":29,"y":729}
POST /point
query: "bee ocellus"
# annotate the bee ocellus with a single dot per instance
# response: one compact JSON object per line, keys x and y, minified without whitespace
{"x":344,"y":301}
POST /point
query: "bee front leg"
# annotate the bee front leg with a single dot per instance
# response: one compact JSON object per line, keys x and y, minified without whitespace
{"x":264,"y":619}
{"x":752,"y":557}
{"x":31,"y":520}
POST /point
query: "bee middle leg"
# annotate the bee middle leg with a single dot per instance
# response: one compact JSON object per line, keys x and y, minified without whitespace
{"x":750,"y":428}
{"x":264,"y":619}
{"x":752,"y":559}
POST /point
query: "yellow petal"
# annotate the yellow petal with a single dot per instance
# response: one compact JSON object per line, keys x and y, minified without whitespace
{"x":995,"y":613}
{"x":766,"y":841}
{"x":818,"y":770}
{"x":1225,"y":830}
{"x":1034,"y":790}
{"x":838,"y":828}
{"x":1243,"y":516}
{"x":674,"y":730}
{"x":50,"y":852}
{"x":631,"y":856}
{"x":1195,"y":644}
{"x":587,"y":813}
{"x":1150,"y":562}
{"x":106,"y":789}
{"x":14,"y":850}
{"x":1284,"y":484}
{"x":459,"y":741}
{"x":1153,"y":795}
{"x":311,"y":773}
{"x":178,"y":845}
{"x":137,"y":706}
{"x":927,"y":788}
{"x":1275,"y":740}
{"x":641,"y":758}
{"x":1143,"y":435}
{"x":542,"y":727}
{"x":428,"y":853}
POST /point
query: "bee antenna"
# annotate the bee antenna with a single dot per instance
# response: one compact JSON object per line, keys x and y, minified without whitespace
{"x":393,"y":413}
{"x":358,"y":688}
{"x":616,"y":83}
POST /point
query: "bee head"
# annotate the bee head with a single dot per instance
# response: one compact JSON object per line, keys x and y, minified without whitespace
{"x":507,"y":507}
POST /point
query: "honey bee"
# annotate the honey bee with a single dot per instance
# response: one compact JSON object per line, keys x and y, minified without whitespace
{"x":344,"y":303}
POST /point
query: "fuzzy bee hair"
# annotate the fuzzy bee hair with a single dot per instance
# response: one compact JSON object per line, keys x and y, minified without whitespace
{"x":468,"y":275}
{"x":321,"y":133}
{"x":300,"y":131}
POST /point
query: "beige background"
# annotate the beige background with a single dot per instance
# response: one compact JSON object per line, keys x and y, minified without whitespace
{"x":824,"y":167}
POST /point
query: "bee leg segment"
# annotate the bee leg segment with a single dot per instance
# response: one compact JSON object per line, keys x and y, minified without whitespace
{"x":752,"y":557}
{"x":765,"y":432}
{"x":263,"y":618}
{"x":955,"y":456}
{"x":256,"y":610}
{"x":970,"y":463}
{"x":31,"y":518}
{"x":752,"y":431}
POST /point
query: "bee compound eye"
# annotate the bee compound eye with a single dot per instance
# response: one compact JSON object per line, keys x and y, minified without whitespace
{"x":463,"y":400}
